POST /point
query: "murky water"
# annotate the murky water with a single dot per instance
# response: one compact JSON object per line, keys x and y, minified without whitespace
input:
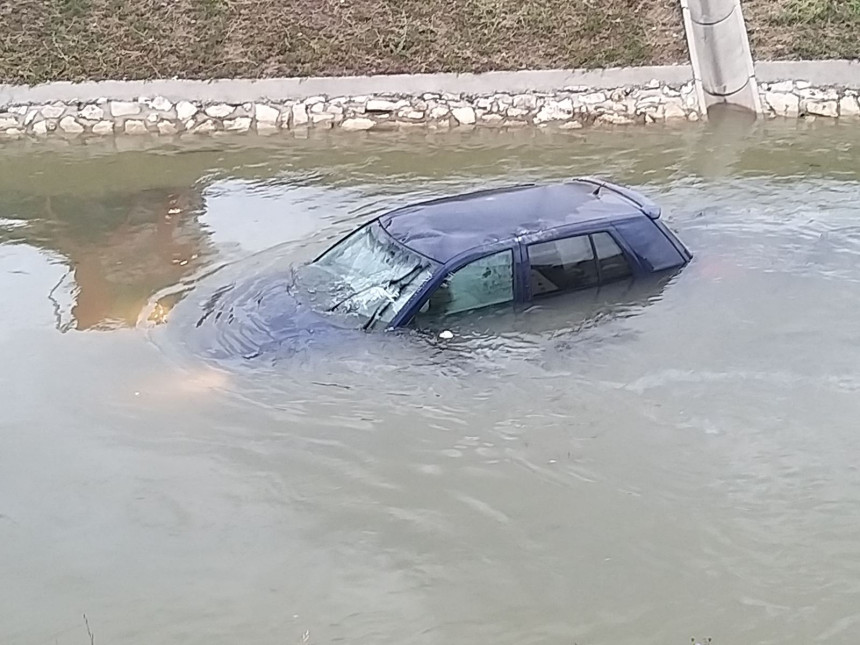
{"x":643,"y":465}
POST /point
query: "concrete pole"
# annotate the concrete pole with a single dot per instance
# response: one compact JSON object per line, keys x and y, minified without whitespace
{"x":720,"y":54}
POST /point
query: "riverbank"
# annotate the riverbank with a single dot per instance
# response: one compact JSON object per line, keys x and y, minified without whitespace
{"x":562,"y":99}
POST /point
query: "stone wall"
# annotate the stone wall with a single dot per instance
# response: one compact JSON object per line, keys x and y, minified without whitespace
{"x":571,"y":108}
{"x":800,"y":98}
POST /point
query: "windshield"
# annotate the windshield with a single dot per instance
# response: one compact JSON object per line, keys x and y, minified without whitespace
{"x":367,"y":275}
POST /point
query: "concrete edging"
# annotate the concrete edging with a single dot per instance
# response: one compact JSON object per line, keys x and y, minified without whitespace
{"x":278,"y":89}
{"x":566,"y":99}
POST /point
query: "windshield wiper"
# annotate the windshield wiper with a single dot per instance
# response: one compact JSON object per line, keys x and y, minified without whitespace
{"x":385,"y":304}
{"x":391,"y":283}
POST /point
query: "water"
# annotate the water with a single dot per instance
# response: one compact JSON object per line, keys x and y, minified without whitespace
{"x":644,"y":465}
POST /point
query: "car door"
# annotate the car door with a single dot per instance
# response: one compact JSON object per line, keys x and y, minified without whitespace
{"x":483,"y":283}
{"x":575,"y":262}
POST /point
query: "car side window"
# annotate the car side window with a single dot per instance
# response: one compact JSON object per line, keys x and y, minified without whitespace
{"x":610,"y":258}
{"x":562,"y":265}
{"x":482,"y":283}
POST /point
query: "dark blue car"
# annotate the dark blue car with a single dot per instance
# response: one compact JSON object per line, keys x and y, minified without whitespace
{"x":423,"y":264}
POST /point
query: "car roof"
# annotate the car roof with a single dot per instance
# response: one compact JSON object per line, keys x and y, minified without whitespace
{"x":442,"y":229}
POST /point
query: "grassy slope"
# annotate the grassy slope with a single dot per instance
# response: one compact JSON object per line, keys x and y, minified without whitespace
{"x":803,"y":29}
{"x":96,"y":39}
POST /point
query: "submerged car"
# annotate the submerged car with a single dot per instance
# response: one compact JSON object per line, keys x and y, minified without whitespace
{"x":509,"y":246}
{"x":422,"y":265}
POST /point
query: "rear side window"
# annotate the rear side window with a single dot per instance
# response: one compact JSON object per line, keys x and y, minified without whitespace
{"x":574,"y":263}
{"x":610,"y":258}
{"x":649,"y":243}
{"x":562,"y":265}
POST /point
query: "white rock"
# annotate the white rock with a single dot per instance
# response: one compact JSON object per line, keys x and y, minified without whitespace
{"x":314,"y":99}
{"x":570,"y":125}
{"x":161,"y":104}
{"x":336,"y":110}
{"x":439,"y":112}
{"x":239,"y":124}
{"x":653,"y":84}
{"x":103,"y":127}
{"x":693,"y":116}
{"x":594,"y":98}
{"x":503,"y":100}
{"x":185,"y":110}
{"x":53,"y":111}
{"x":30,"y":116}
{"x":566,"y":105}
{"x":14,"y":132}
{"x":219,"y":110}
{"x":92,"y":112}
{"x":802,"y":85}
{"x":815,"y":94}
{"x":135,"y":126}
{"x":266,"y":113}
{"x":554,"y":111}
{"x":167,"y":127}
{"x":615,"y":119}
{"x":70,"y":126}
{"x":152,"y":118}
{"x":207,"y":127}
{"x":124,"y":108}
{"x":822,"y":108}
{"x":380,"y":105}
{"x":358,"y":123}
{"x":484,"y":103}
{"x":20,"y":110}
{"x":783,"y":104}
{"x":8,"y":122}
{"x":299,"y":115}
{"x":316,"y":108}
{"x":674,"y":110}
{"x":782,"y":86}
{"x":464,"y":115}
{"x":40,"y":128}
{"x":515,"y":112}
{"x":492,"y":118}
{"x":848,"y":106}
{"x":410,"y":114}
{"x":526,"y":102}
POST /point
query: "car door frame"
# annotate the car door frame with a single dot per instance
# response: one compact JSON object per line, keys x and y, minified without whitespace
{"x":413,"y":306}
{"x":637,"y":267}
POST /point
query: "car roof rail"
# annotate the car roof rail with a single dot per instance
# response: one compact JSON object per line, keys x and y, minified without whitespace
{"x":647,"y":206}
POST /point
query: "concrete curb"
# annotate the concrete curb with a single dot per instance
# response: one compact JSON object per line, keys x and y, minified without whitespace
{"x":279,"y":89}
{"x":833,"y":72}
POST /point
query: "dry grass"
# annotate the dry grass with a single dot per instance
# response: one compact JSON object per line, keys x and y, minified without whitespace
{"x":803,"y":29}
{"x":139,"y":39}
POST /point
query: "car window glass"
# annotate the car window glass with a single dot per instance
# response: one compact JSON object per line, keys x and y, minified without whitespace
{"x":648,"y":242}
{"x":610,"y":258}
{"x":482,"y":283}
{"x":562,"y":265}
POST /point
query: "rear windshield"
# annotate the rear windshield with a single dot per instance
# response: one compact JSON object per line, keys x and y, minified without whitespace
{"x":649,"y":243}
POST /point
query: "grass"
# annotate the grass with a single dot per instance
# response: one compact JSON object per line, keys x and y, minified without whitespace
{"x":139,"y":39}
{"x":43,"y":40}
{"x":803,"y":29}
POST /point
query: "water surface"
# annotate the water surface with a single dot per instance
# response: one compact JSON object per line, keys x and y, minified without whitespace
{"x":643,"y":465}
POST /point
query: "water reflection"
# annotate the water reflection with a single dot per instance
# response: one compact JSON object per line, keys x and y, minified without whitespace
{"x":119,"y":249}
